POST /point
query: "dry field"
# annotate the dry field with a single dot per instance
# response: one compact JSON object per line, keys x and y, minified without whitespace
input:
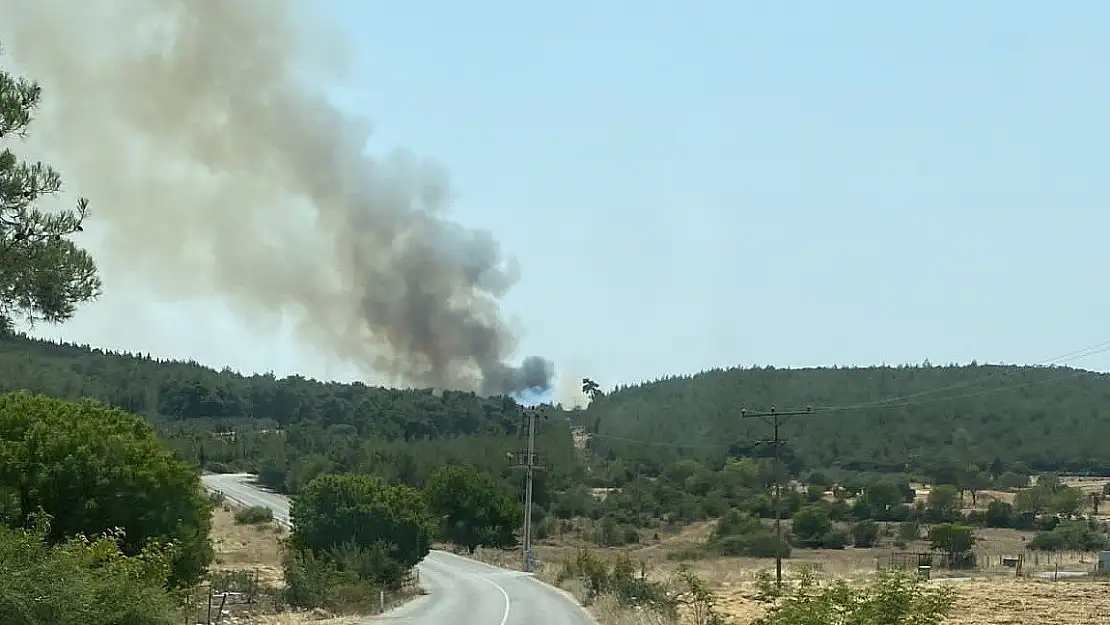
{"x":994,"y":596}
{"x":255,"y":550}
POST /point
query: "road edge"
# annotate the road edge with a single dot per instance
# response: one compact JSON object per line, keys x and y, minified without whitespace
{"x":565,"y":594}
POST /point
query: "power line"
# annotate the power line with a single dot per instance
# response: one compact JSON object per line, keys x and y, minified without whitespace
{"x":899,"y":401}
{"x":775,"y":418}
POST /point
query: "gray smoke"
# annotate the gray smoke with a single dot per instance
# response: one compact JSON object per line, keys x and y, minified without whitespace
{"x":217,"y":170}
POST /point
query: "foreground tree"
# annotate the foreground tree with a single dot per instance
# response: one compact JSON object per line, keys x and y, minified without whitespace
{"x":472,"y":508}
{"x":43,"y":274}
{"x":94,"y":469}
{"x":359,"y":521}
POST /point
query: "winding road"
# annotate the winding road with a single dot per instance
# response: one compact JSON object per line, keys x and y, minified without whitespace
{"x":460,"y":590}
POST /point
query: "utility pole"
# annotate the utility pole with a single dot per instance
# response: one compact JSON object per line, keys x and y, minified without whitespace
{"x":530,"y":463}
{"x":775,"y":418}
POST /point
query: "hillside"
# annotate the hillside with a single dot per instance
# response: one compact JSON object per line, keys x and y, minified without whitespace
{"x":868,"y":419}
{"x":173,"y":391}
{"x":291,"y":429}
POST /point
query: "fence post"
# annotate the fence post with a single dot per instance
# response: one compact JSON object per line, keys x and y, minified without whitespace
{"x":381,"y":599}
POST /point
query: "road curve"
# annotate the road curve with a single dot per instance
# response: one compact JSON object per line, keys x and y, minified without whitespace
{"x":460,"y":590}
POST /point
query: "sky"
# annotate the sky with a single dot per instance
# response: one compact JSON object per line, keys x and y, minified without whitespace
{"x":690,"y":185}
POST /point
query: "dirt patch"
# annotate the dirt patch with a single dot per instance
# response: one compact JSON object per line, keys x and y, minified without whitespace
{"x":247,"y":548}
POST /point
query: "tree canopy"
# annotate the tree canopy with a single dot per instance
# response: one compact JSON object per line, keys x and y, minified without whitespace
{"x":884,"y":419}
{"x":44,"y":275}
{"x":94,"y":469}
{"x":472,"y":508}
{"x":388,"y":524}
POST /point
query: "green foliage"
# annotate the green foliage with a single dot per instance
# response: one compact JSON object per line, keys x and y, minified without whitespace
{"x":999,"y":514}
{"x":1071,"y":536}
{"x":891,"y":599}
{"x":82,"y":581}
{"x":472,"y":508}
{"x":386,"y":526}
{"x":254,"y":515}
{"x":740,"y":534}
{"x":93,"y":469}
{"x":951,"y":538}
{"x":1011,"y":481}
{"x":811,"y":525}
{"x":332,"y":581}
{"x":943,"y":504}
{"x":1053,"y":419}
{"x":865,"y":533}
{"x":43,"y":274}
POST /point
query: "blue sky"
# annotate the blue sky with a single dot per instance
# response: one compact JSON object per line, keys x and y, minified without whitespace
{"x":697,"y":184}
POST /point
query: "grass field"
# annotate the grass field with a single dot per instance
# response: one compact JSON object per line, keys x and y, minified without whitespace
{"x":993,"y":595}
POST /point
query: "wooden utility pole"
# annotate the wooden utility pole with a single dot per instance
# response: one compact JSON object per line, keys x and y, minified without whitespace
{"x":775,"y":418}
{"x":530,"y":463}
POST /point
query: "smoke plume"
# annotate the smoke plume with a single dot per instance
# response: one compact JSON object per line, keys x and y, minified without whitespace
{"x":216,"y":169}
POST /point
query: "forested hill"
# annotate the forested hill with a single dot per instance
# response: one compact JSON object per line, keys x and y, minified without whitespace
{"x":1050,"y":418}
{"x":168,"y":391}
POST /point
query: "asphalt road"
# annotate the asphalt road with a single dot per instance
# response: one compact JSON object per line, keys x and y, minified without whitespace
{"x":460,"y":591}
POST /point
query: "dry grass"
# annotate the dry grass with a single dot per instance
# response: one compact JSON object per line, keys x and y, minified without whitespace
{"x":995,"y":597}
{"x":254,"y":548}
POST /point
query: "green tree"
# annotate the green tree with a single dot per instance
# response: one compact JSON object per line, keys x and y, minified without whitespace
{"x":388,"y":523}
{"x":1068,"y":501}
{"x":811,"y":524}
{"x":881,"y":497}
{"x":943,"y":503}
{"x":1035,"y":500}
{"x":43,"y":274}
{"x":472,"y":508}
{"x":999,"y":514}
{"x":865,"y":533}
{"x":93,"y":469}
{"x":951,"y":538}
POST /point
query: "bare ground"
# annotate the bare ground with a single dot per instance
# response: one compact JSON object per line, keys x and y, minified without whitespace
{"x":255,"y":550}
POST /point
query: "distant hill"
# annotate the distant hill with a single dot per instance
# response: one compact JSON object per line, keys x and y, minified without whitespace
{"x":172,"y":391}
{"x":1046,"y":418}
{"x":865,"y":419}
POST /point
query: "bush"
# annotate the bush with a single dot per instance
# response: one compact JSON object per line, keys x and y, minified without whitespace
{"x":254,"y":515}
{"x":360,"y":524}
{"x":757,"y":545}
{"x":909,"y":531}
{"x":891,"y":599}
{"x":865,"y":533}
{"x":1070,"y":536}
{"x":82,"y":582}
{"x":999,"y":514}
{"x":835,"y":539}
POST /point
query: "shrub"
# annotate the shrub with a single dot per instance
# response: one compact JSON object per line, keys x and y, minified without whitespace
{"x":82,"y":582}
{"x":865,"y":533}
{"x":254,"y":515}
{"x":380,"y":530}
{"x":891,"y":599}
